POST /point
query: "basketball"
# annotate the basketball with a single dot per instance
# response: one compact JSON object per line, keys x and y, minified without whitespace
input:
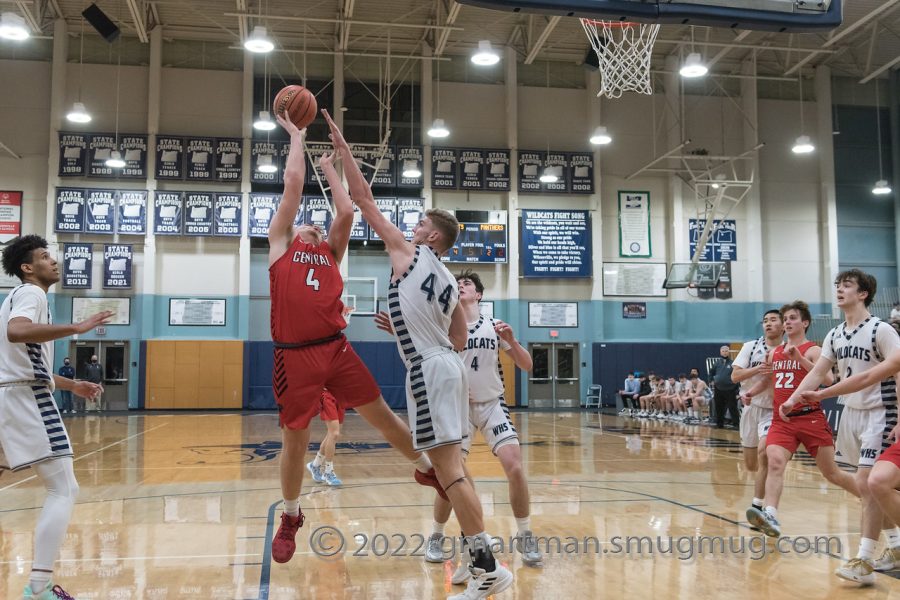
{"x":298,"y":103}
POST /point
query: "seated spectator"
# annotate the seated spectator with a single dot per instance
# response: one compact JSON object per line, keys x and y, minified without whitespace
{"x":629,"y":394}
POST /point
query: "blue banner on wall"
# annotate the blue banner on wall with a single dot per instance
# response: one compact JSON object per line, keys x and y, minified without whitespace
{"x":132,"y":212}
{"x":200,"y":159}
{"x":100,"y":214}
{"x":556,"y":243}
{"x":169,"y":157}
{"x":262,"y":209}
{"x":531,"y":164}
{"x":72,"y":154}
{"x":409,"y":213}
{"x":167,"y":209}
{"x":314,"y":151}
{"x":360,"y":230}
{"x":134,"y":152}
{"x":228,"y":215}
{"x":444,"y":168}
{"x":386,"y":174}
{"x":78,"y":260}
{"x":496,"y":170}
{"x":722,"y":243}
{"x":581,"y":173}
{"x":198,"y":213}
{"x":265,"y":155}
{"x":69,"y":210}
{"x":387,"y":207}
{"x":557,"y":163}
{"x":229,"y":153}
{"x":471,"y":169}
{"x":318,"y":212}
{"x":117,"y":266}
{"x":410,"y":160}
{"x":100,"y":149}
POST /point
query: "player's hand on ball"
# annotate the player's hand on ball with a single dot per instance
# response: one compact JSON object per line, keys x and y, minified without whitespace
{"x":289,"y":126}
{"x":504,"y":331}
{"x":86,"y":389}
{"x":383,"y":322}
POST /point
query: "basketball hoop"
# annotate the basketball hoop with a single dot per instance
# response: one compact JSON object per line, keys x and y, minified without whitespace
{"x":623,"y":52}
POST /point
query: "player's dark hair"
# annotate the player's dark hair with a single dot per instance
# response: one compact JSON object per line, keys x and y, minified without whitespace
{"x":20,"y":252}
{"x":446,"y":224}
{"x":864,"y":282}
{"x":474,"y":278}
{"x":682,"y":376}
{"x":801,"y":307}
{"x":772,"y":311}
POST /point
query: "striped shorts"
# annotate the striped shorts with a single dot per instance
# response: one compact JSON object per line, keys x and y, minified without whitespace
{"x":31,"y":429}
{"x":437,"y":399}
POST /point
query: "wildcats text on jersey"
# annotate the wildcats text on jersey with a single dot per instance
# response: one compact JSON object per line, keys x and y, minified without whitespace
{"x":484,"y":343}
{"x":853,"y":352}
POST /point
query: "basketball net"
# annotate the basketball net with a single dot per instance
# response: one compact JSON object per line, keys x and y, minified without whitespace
{"x":623,"y":51}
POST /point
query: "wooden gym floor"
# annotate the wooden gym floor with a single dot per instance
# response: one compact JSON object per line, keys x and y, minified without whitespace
{"x":182,"y":506}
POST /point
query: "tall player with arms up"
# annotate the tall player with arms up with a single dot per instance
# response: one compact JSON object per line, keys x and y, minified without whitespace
{"x":857,"y":345}
{"x":429,"y":322}
{"x":311,"y":352}
{"x":791,"y":363}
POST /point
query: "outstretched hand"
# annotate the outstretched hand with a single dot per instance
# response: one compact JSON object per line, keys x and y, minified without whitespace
{"x":101,"y":318}
{"x":337,"y":138}
{"x":86,"y":389}
{"x":505,"y":331}
{"x":383,"y":322}
{"x":289,"y":126}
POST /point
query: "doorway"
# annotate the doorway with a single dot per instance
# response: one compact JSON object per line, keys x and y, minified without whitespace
{"x":554,"y":381}
{"x":113,"y":356}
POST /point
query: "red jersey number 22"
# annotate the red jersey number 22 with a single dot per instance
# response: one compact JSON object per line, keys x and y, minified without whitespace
{"x":784,"y":381}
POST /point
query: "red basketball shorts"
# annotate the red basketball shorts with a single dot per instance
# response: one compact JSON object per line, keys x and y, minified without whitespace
{"x":892,"y":454}
{"x":331,"y":411}
{"x":811,"y":430}
{"x":301,"y":375}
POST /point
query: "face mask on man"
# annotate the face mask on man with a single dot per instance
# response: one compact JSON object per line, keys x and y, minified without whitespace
{"x":94,"y":360}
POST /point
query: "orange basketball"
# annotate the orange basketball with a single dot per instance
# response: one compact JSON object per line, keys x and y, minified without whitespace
{"x":298,"y":103}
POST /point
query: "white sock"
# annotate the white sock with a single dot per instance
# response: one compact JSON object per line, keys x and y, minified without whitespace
{"x":329,"y":467}
{"x":39,"y":580}
{"x":758,"y":502}
{"x":423,"y":464}
{"x":523,"y":524}
{"x":437,"y":528}
{"x":867,"y":548}
{"x":893,"y":537}
{"x":58,"y":477}
{"x":292,"y":507}
{"x":772,"y":511}
{"x":319,"y":460}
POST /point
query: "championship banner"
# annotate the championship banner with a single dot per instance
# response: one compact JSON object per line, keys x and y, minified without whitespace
{"x":366,"y":155}
{"x":134,"y":152}
{"x":100,"y":214}
{"x":318,"y":212}
{"x":388,"y":208}
{"x":722,"y":243}
{"x":228,"y":215}
{"x":471,"y":169}
{"x":132,"y":212}
{"x":69,"y":210}
{"x":409,"y":213}
{"x":198,"y":213}
{"x":386,"y":173}
{"x":200,"y":159}
{"x":314,"y":151}
{"x":444,"y":168}
{"x":360,"y":229}
{"x":262,"y":209}
{"x":266,"y":155}
{"x":581,"y":173}
{"x":167,"y":209}
{"x":78,"y":260}
{"x":229,"y":152}
{"x":10,"y":216}
{"x":169,"y":157}
{"x":117,"y":266}
{"x":410,"y":160}
{"x":557,"y":163}
{"x":100,"y":149}
{"x":496,"y":170}
{"x":531,"y":163}
{"x":72,"y":153}
{"x":634,"y":224}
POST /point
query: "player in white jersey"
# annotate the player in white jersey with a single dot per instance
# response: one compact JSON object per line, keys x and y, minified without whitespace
{"x":858,"y":344}
{"x":31,"y":430}
{"x":749,"y":368}
{"x":423,"y":299}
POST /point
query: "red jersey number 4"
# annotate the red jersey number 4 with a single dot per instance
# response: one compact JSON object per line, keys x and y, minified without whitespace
{"x":311,"y":280}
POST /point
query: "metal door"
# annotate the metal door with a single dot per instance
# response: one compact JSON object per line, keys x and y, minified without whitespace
{"x":554,"y":381}
{"x":113,"y":355}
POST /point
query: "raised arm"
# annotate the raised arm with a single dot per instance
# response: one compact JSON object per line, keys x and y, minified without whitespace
{"x":890,"y":367}
{"x":339,"y":235}
{"x":281,"y":228}
{"x":22,"y":330}
{"x":519,"y":354}
{"x":361,"y":194}
{"x":821,"y":372}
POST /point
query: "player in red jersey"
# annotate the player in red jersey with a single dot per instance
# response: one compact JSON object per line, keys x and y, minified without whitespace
{"x":807,"y":425}
{"x":311,"y":352}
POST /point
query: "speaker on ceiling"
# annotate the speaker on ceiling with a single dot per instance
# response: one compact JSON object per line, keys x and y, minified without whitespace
{"x":99,"y":21}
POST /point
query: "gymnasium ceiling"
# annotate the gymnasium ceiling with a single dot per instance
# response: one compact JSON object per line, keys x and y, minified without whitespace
{"x":866,"y":45}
